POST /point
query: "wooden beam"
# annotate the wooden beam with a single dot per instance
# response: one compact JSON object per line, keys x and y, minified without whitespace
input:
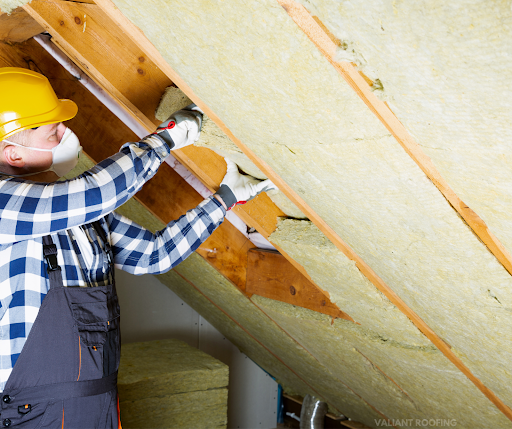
{"x":79,"y":30}
{"x":114,"y":61}
{"x":326,"y":44}
{"x":269,"y":274}
{"x":18,"y":26}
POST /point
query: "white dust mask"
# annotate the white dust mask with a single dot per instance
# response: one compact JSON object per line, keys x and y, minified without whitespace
{"x":64,"y":155}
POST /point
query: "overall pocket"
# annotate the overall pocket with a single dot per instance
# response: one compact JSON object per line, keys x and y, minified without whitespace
{"x":96,"y":315}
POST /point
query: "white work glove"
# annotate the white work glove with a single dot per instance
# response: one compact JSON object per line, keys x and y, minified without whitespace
{"x":182,"y":128}
{"x":237,"y":188}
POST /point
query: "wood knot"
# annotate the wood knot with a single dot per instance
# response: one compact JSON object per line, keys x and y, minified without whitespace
{"x":141,"y":71}
{"x":142,"y":59}
{"x":61,"y":23}
{"x":293,"y":291}
{"x":78,"y":21}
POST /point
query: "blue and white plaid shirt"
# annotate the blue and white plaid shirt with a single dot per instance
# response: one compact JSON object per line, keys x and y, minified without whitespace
{"x":28,"y":211}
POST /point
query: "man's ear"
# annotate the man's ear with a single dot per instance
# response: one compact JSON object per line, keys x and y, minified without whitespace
{"x":13,"y":157}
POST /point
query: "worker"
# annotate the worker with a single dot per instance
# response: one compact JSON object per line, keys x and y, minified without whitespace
{"x":59,"y":244}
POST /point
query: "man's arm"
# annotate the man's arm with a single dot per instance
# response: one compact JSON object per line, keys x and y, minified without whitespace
{"x":139,"y":251}
{"x":29,"y":209}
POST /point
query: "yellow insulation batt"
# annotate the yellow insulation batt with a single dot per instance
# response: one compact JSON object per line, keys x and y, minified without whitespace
{"x":251,"y":64}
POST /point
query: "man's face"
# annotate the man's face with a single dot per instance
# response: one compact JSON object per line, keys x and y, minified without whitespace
{"x":43,"y":137}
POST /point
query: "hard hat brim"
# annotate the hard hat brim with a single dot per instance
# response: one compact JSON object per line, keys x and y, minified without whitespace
{"x":65,"y":110}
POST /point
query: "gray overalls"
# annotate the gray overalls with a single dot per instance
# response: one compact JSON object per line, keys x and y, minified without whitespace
{"x":66,"y":374}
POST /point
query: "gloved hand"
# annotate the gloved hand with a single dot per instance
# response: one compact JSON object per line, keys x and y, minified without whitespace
{"x":182,"y":128}
{"x":237,"y":188}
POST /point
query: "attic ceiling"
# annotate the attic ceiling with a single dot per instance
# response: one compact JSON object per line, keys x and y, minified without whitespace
{"x":386,"y":126}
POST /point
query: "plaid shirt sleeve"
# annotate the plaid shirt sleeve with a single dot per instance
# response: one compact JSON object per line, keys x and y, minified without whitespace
{"x":139,"y":251}
{"x":30,"y":209}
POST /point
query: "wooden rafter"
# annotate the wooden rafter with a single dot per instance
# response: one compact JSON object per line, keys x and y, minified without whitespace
{"x":128,"y":74}
{"x":358,"y":83}
{"x":271,"y":275}
{"x":18,"y":26}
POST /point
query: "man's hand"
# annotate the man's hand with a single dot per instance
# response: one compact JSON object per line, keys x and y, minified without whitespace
{"x":182,"y":128}
{"x":237,"y":188}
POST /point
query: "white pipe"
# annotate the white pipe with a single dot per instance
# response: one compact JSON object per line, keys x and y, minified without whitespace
{"x":293,"y":416}
{"x":113,"y":105}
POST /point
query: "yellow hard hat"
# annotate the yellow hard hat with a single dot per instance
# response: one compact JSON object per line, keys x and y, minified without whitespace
{"x":27,"y":100}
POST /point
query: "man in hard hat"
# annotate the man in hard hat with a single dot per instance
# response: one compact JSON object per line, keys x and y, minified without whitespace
{"x":59,"y":343}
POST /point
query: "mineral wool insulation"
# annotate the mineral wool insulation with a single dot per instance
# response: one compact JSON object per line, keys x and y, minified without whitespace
{"x":445,"y":68}
{"x":274,"y":90}
{"x":212,"y":137}
{"x":386,"y":360}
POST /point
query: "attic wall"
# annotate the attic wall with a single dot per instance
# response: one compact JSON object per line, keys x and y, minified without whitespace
{"x":281,"y":98}
{"x":270,"y":85}
{"x":383,"y":345}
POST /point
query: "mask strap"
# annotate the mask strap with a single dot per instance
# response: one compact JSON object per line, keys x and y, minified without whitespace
{"x":28,"y":147}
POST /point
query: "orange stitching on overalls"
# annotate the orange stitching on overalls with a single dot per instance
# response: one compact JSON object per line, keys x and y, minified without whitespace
{"x":62,"y":416}
{"x":118,"y":415}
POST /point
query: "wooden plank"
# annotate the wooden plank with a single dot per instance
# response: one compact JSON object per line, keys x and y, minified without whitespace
{"x":326,"y":44}
{"x":269,"y":274}
{"x":323,"y":40}
{"x":18,"y":26}
{"x":80,"y":29}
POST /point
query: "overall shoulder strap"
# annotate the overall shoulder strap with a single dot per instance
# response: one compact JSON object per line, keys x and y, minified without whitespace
{"x":53,"y":268}
{"x":106,"y":245}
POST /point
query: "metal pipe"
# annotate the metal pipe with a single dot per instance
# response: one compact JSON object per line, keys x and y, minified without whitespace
{"x":312,"y":413}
